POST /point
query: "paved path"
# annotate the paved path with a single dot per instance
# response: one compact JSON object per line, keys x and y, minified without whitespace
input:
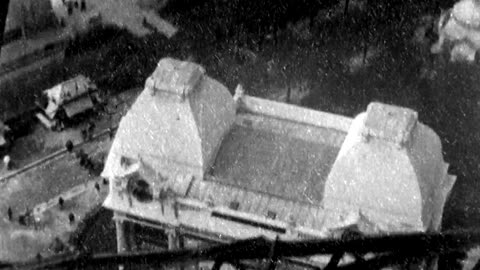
{"x":36,"y":186}
{"x":48,"y":179}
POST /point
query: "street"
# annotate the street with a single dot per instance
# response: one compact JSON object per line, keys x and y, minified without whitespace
{"x":49,"y":179}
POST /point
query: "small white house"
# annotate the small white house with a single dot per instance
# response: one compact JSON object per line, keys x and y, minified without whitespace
{"x":67,"y":100}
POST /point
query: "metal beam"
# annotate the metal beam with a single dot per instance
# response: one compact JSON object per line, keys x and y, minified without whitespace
{"x":3,"y":19}
{"x":398,"y":247}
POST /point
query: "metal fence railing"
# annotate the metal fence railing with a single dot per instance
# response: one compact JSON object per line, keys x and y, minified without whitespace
{"x":384,"y":251}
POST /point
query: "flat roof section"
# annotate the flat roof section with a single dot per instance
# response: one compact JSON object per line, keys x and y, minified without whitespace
{"x":284,"y":158}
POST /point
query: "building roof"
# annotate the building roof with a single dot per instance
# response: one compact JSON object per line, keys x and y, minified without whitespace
{"x":284,"y":158}
{"x":269,"y":162}
{"x":218,"y":193}
{"x":67,"y":91}
{"x":79,"y":105}
{"x":391,"y":169}
{"x":174,"y":133}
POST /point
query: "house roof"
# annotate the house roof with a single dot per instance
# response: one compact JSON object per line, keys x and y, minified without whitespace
{"x":391,"y":168}
{"x":68,"y":90}
{"x":383,"y":167}
{"x":217,"y":192}
{"x":79,"y":105}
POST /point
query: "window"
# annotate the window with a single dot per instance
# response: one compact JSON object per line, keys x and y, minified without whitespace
{"x":271,"y":215}
{"x":234,"y":205}
{"x":140,"y":189}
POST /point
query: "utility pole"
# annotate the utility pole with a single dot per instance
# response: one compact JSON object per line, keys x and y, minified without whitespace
{"x":345,"y":10}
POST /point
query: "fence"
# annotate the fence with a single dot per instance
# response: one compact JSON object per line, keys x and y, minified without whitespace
{"x":385,"y":251}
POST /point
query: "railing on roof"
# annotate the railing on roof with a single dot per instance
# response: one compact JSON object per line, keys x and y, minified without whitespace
{"x":385,"y":251}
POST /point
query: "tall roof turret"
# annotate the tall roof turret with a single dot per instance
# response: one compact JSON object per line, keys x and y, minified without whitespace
{"x":177,"y":123}
{"x":390,"y":168}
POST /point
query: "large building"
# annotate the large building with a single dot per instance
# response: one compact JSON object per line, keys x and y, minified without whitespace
{"x":194,"y":162}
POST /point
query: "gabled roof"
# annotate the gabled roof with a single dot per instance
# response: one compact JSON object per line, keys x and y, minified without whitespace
{"x":68,"y":90}
{"x":79,"y":105}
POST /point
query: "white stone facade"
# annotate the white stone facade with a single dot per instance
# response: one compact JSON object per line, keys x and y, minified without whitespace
{"x":243,"y":167}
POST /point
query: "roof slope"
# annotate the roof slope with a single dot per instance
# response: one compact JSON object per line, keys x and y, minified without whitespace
{"x":260,"y":204}
{"x":170,"y":129}
{"x":391,"y":169}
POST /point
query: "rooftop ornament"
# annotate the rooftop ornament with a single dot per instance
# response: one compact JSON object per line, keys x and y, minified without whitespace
{"x":389,"y":124}
{"x":175,"y":77}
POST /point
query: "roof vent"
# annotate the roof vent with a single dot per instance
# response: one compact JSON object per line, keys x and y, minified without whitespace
{"x":389,"y":123}
{"x":176,"y":77}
